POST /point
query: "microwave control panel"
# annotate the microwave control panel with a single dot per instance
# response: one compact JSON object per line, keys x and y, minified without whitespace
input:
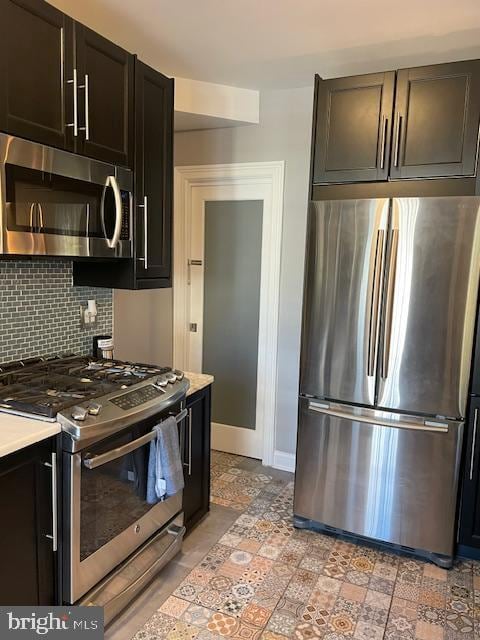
{"x":125,"y":232}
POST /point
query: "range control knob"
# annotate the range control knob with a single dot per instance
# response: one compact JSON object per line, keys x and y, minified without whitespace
{"x":162,"y":381}
{"x":179,"y":374}
{"x":94,"y":408}
{"x":79,"y":413}
{"x":171,"y":377}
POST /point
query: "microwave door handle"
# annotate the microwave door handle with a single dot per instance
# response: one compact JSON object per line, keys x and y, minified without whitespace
{"x":40,"y":216}
{"x":33,"y":208}
{"x":118,"y":212}
{"x":111,"y":183}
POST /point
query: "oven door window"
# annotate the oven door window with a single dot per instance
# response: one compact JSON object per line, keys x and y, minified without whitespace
{"x":113,"y":495}
{"x":45,"y":203}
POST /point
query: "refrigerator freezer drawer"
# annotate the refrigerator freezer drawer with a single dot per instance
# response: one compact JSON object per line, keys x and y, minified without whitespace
{"x":393,"y":484}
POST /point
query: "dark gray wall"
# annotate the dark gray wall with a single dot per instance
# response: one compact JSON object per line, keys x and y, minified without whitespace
{"x":233,"y":250}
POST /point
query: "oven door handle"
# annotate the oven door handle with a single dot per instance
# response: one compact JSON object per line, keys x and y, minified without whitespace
{"x":98,"y":461}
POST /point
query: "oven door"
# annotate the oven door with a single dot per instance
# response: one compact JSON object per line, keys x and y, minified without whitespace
{"x":56,"y":204}
{"x":108,"y":516}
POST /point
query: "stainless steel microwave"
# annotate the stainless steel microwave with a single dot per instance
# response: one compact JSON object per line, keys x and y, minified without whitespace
{"x":55,"y":203}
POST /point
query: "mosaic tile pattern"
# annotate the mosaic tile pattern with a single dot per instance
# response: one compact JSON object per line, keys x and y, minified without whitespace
{"x":264,"y":580}
{"x":39,"y":310}
{"x":234,"y":487}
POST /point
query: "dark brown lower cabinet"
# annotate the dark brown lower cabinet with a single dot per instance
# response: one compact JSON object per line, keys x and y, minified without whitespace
{"x":196,"y":494}
{"x":26,"y":552}
{"x":469,"y":526}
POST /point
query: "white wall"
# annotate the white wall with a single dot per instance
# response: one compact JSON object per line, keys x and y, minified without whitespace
{"x":143,"y":326}
{"x":283,"y":134}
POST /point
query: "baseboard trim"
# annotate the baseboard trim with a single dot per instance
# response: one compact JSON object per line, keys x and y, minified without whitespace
{"x":284,"y":461}
{"x":237,"y":440}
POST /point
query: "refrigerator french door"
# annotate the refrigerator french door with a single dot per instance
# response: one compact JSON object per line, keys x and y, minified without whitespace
{"x":389,"y":312}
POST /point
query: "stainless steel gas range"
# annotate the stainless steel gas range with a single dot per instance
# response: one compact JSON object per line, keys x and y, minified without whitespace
{"x":113,"y":541}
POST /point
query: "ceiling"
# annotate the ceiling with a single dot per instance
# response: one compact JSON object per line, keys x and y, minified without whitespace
{"x":281,"y":43}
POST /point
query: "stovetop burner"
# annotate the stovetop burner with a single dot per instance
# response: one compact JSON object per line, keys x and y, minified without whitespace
{"x":46,"y":387}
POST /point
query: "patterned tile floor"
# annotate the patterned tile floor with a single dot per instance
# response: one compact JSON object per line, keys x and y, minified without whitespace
{"x":265,"y":580}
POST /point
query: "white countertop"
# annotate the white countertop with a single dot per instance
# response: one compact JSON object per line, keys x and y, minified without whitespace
{"x":198,"y":381}
{"x":17,"y":432}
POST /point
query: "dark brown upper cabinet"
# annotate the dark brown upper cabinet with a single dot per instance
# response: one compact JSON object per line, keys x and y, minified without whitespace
{"x":151,"y":266}
{"x":64,"y":85}
{"x":414,"y":123}
{"x":353,"y":128}
{"x":154,"y":95}
{"x":437,"y":112}
{"x":105,"y":89}
{"x":34,"y":57}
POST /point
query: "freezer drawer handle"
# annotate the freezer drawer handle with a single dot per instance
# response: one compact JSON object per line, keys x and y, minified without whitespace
{"x":430,"y":426}
{"x":474,"y":443}
{"x":318,"y":406}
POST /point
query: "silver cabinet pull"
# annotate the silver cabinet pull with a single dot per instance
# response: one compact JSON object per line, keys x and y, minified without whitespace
{"x":190,"y":442}
{"x":383,"y":141}
{"x":86,"y":128}
{"x":74,"y":124}
{"x":396,"y":152}
{"x":188,"y":465}
{"x":53,"y":466}
{"x":144,"y":206}
{"x":474,"y":443}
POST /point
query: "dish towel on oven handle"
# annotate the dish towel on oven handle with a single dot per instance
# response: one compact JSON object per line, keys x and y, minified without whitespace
{"x":165,"y":468}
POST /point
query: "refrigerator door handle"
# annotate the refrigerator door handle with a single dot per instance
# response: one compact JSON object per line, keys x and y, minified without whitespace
{"x":375,"y":302}
{"x":397,"y":421}
{"x":392,"y":272}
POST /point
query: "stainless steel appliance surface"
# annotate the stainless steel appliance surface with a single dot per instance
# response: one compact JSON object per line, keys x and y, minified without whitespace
{"x":107,"y":410}
{"x":389,"y":312}
{"x":55,"y":203}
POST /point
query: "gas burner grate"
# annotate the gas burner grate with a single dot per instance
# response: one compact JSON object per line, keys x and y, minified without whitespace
{"x":46,"y":386}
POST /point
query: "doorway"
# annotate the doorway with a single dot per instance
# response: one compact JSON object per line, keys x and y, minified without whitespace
{"x":226,"y":288}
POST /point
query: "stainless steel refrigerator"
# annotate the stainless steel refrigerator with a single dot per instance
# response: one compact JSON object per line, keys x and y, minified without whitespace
{"x":390,"y":304}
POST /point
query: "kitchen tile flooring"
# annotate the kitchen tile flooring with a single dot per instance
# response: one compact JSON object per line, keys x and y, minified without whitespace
{"x":250,"y":575}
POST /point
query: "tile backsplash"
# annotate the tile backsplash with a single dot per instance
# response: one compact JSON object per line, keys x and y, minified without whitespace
{"x":39,"y":310}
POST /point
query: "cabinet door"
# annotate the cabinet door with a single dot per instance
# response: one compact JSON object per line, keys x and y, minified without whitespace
{"x":105,"y":98}
{"x":26,"y":554}
{"x":469,"y":530}
{"x":196,"y":495}
{"x":353,"y":128}
{"x":437,"y":112}
{"x":34,"y":38}
{"x":153,"y":174}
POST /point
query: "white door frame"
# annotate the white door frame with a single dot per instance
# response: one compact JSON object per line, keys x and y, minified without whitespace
{"x":189,"y":182}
